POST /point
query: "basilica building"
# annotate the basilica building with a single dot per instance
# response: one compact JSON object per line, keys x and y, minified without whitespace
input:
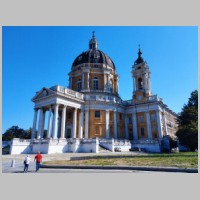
{"x":89,"y":114}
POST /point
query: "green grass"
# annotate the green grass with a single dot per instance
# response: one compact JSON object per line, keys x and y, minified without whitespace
{"x":180,"y":160}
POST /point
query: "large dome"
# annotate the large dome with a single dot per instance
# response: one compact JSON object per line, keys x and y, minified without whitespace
{"x":93,"y":55}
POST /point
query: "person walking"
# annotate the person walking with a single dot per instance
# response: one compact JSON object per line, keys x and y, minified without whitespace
{"x":38,"y":159}
{"x":26,"y":163}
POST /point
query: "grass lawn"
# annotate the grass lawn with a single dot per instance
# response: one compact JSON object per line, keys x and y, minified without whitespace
{"x":180,"y":160}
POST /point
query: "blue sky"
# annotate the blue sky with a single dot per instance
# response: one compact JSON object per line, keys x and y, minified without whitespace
{"x":36,"y":57}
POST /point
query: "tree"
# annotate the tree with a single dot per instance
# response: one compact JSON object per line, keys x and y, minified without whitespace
{"x":16,"y":132}
{"x":188,"y":123}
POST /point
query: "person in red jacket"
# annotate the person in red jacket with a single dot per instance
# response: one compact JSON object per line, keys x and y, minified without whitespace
{"x":38,"y":159}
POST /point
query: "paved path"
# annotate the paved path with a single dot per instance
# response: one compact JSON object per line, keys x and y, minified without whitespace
{"x":19,"y":166}
{"x":14,"y":164}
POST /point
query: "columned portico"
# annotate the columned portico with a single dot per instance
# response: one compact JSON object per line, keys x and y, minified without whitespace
{"x":159,"y":124}
{"x":55,"y":121}
{"x":107,"y":124}
{"x":134,"y":123}
{"x":115,"y":124}
{"x":34,"y":124}
{"x":148,"y":125}
{"x":63,"y":121}
{"x":74,"y":122}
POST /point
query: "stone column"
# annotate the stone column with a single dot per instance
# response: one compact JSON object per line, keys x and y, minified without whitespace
{"x":40,"y":124}
{"x":80,"y":132}
{"x":159,"y":124}
{"x":74,"y":122}
{"x":115,"y":124}
{"x":149,"y":125}
{"x":55,"y":121}
{"x":126,"y":126}
{"x":145,"y":82}
{"x":83,"y":81}
{"x":134,"y":84}
{"x":104,"y":81}
{"x":43,"y":123}
{"x":34,"y":124}
{"x":134,"y":123}
{"x":88,"y":80}
{"x":63,"y":122}
{"x":107,"y":125}
{"x":117,"y":85}
{"x":49,"y":123}
{"x":165,"y":124}
{"x":86,"y":123}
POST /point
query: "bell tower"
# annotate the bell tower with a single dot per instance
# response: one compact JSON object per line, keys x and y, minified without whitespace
{"x":141,"y":79}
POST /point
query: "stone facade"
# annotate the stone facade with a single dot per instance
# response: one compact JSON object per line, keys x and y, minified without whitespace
{"x":91,"y":107}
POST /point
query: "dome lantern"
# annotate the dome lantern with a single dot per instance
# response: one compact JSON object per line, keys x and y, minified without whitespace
{"x":93,"y":44}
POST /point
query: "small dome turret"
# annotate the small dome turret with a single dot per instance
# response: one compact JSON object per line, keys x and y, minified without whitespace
{"x":139,"y":59}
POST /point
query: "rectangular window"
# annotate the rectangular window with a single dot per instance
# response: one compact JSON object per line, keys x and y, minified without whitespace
{"x":97,"y":114}
{"x":142,"y":132}
{"x":153,"y":117}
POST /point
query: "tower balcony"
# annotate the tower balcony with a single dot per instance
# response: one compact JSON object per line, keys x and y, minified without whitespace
{"x":152,"y":98}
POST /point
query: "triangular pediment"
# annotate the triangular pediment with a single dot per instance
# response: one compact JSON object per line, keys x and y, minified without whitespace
{"x":44,"y":92}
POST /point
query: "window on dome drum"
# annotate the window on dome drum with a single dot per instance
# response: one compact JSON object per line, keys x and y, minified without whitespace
{"x":142,"y":131}
{"x":95,"y":83}
{"x":97,"y":114}
{"x":79,"y":85}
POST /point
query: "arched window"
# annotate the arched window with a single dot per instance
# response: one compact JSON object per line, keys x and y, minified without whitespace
{"x":79,"y":85}
{"x":140,"y":83}
{"x":95,"y":83}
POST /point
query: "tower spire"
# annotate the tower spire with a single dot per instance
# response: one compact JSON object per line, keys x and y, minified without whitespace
{"x":93,"y":44}
{"x":139,"y":59}
{"x":139,"y":52}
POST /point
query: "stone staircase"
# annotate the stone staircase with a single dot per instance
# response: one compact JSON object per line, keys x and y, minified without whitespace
{"x":103,"y":149}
